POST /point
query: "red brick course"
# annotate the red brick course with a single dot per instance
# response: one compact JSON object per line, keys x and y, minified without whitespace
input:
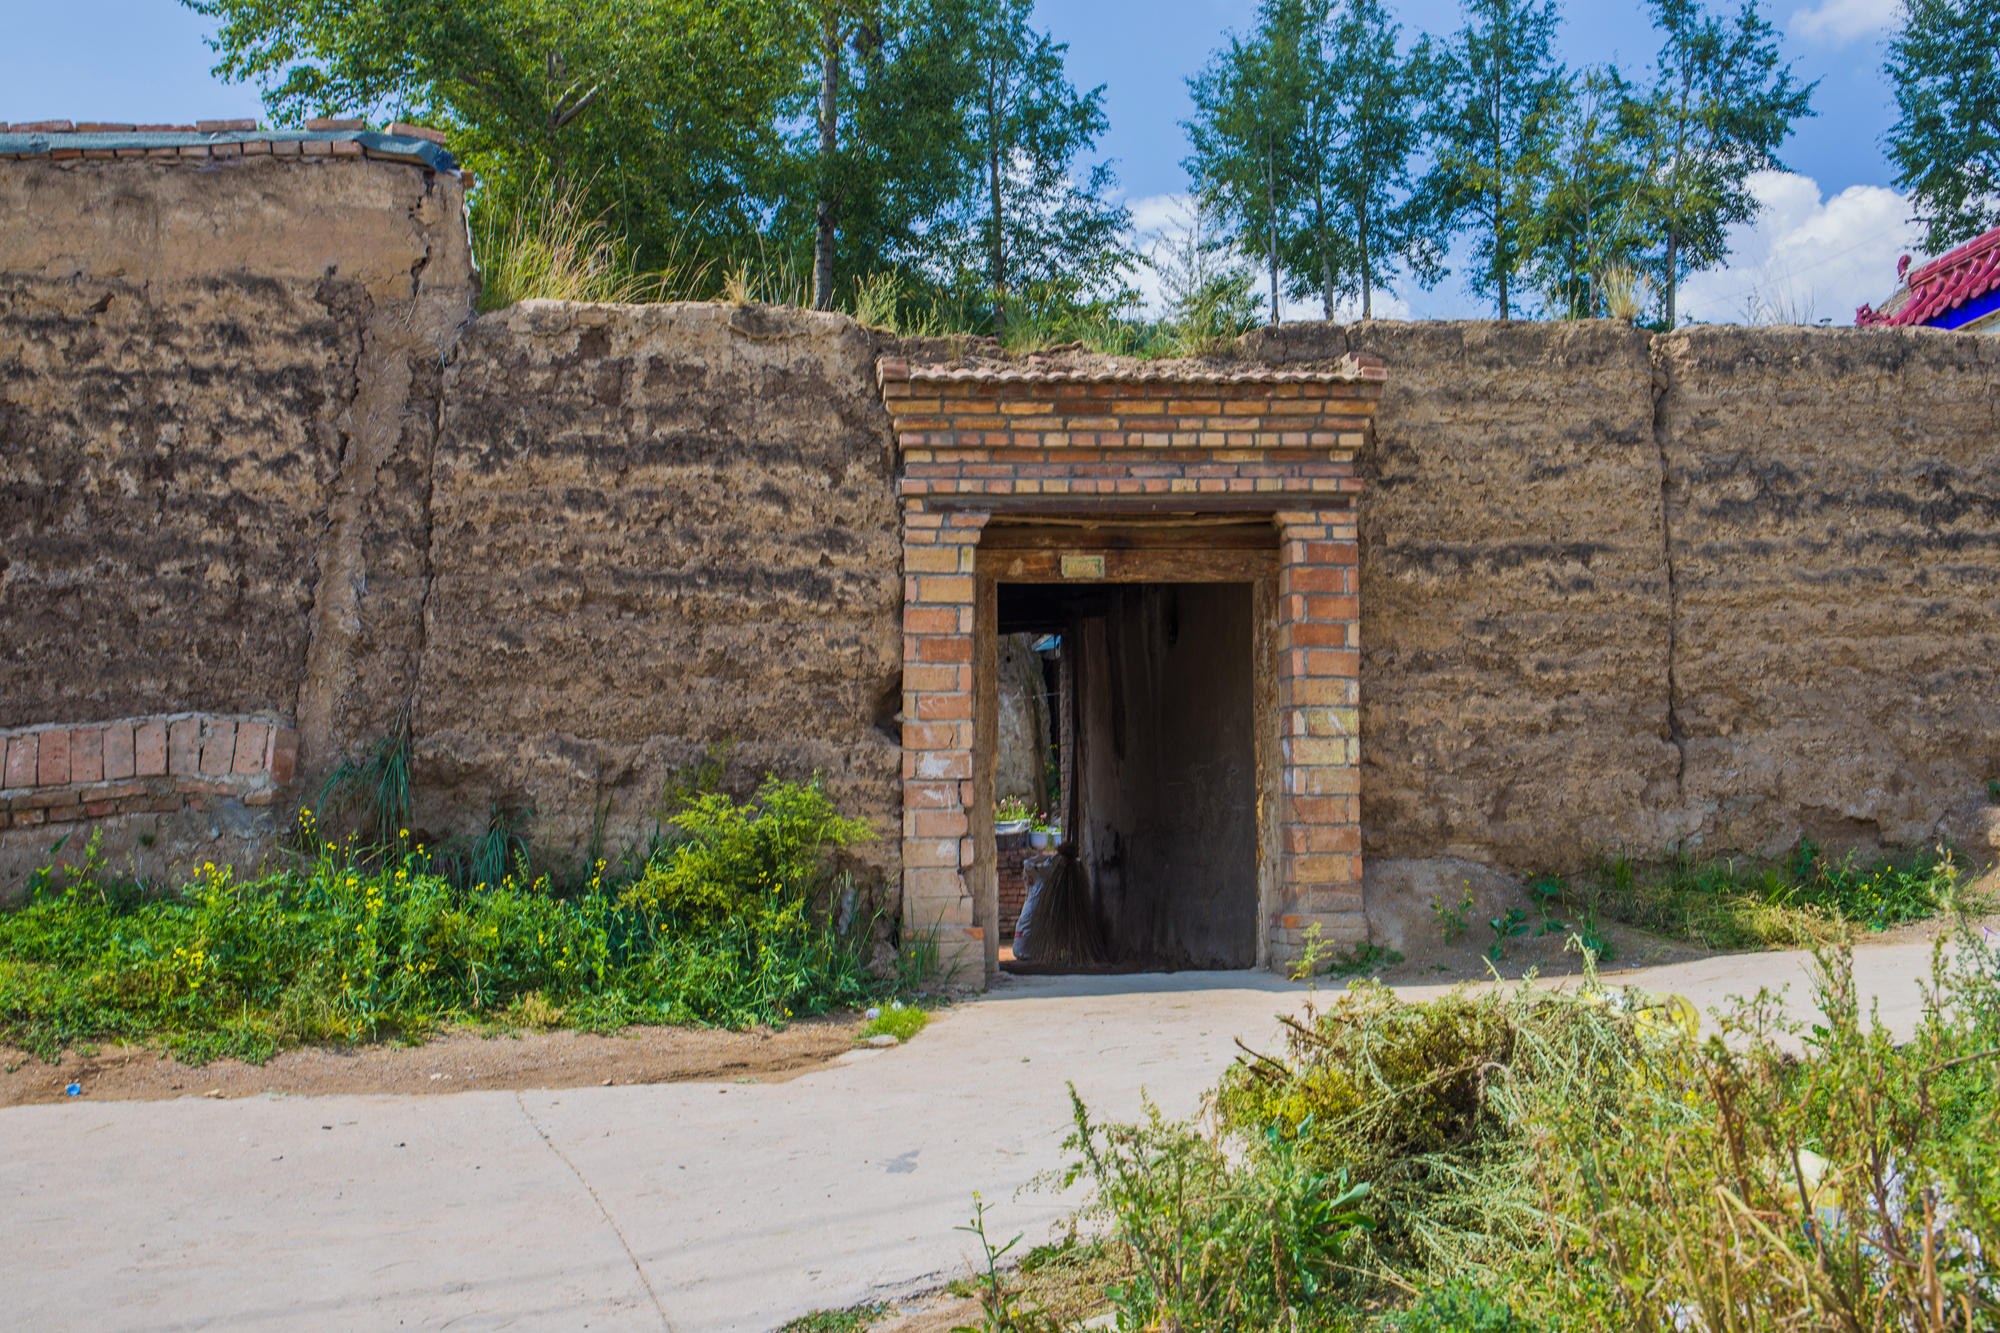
{"x":60,"y":774}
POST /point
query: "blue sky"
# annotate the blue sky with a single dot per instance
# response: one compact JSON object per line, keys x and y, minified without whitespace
{"x":1828,"y":238}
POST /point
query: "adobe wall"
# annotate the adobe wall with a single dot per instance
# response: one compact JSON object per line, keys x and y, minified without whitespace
{"x":260,"y":468}
{"x":1731,"y":586}
{"x":656,"y":529}
{"x":219,"y":378}
{"x":1834,"y":500}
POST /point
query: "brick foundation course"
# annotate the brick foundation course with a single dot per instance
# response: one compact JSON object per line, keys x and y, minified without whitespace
{"x":56,"y":774}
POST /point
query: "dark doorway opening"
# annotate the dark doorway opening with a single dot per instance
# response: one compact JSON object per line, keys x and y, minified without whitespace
{"x":1152,"y":723}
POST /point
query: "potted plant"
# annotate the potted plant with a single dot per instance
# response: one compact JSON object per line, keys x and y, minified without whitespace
{"x":1047,"y":833}
{"x":1012,"y":815}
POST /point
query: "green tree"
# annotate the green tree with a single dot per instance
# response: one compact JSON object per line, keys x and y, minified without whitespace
{"x":1494,"y":124}
{"x":1592,"y":222}
{"x":1302,"y":141}
{"x":1248,"y":115}
{"x":665,"y":113}
{"x":1372,"y":121}
{"x":1946,"y":140}
{"x":1722,"y":105}
{"x":884,"y":154}
{"x":1034,"y":227}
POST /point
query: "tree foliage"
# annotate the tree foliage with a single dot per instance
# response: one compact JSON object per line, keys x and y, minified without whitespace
{"x":1302,"y":138}
{"x":1946,"y":140}
{"x":665,"y":113}
{"x":1590,"y":231}
{"x":1035,"y":229}
{"x":1722,"y":105}
{"x":1500,"y":95}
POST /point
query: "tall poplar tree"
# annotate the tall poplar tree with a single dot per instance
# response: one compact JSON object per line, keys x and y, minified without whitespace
{"x":1721,"y":106}
{"x":1495,"y":121}
{"x":1945,"y":73}
{"x":1592,"y":220}
{"x":1302,"y":140}
{"x":885,"y":152}
{"x":1033,"y":228}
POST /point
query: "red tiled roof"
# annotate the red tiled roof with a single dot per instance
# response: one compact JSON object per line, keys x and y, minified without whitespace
{"x":1966,"y":274}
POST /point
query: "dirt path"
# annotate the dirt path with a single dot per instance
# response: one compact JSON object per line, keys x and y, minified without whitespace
{"x":459,"y":1061}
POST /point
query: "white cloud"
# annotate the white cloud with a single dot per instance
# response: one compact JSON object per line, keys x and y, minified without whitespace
{"x":1844,"y":20}
{"x":1805,"y":258}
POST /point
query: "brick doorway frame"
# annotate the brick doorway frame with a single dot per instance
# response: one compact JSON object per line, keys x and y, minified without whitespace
{"x":1134,"y":447}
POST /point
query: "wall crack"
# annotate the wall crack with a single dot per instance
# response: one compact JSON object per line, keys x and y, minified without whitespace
{"x":1676,"y":733}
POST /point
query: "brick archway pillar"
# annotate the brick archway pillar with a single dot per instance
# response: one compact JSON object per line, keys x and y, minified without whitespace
{"x":940,"y":596}
{"x":1319,"y":699}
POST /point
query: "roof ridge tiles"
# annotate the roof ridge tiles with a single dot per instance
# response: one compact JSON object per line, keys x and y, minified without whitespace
{"x":1356,"y":369}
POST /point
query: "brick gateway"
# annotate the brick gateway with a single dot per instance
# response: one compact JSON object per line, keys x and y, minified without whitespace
{"x":1078,"y":479}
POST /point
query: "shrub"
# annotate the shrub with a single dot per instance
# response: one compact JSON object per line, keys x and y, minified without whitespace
{"x":745,"y":859}
{"x":1406,"y":1098}
{"x":1851,"y":1187}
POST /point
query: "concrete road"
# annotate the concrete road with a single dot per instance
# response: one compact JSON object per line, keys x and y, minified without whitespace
{"x":685,"y":1207}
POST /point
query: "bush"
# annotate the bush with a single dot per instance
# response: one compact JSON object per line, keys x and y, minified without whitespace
{"x":344,"y":946}
{"x":1851,"y":1187}
{"x":1405,"y":1097}
{"x":1222,"y":1231}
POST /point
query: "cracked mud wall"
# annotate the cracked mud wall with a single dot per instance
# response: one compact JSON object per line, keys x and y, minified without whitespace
{"x":658,"y":529}
{"x":1834,"y":500}
{"x":1515,"y":624}
{"x":218,"y":385}
{"x":1721,"y":588}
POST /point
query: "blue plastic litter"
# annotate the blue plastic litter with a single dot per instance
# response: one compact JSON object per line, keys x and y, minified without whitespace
{"x":74,"y":1090}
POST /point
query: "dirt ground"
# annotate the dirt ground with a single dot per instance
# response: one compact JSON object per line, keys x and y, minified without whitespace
{"x":459,"y":1061}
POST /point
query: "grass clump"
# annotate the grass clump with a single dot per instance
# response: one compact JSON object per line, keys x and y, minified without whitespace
{"x":854,"y":1319}
{"x":727,"y":922}
{"x":1805,"y":899}
{"x":898,"y":1020}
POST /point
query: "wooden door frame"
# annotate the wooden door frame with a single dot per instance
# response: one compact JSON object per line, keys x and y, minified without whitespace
{"x":1228,"y":551}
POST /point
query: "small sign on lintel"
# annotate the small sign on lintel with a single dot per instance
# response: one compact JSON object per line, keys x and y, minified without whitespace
{"x":1083,"y":566}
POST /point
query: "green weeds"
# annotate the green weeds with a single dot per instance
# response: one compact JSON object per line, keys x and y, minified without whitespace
{"x":1221,"y":1228}
{"x":898,"y":1020}
{"x":1809,"y":898}
{"x":728,"y":922}
{"x":1523,"y":1160}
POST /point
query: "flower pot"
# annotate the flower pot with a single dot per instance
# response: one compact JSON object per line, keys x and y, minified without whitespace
{"x":1039,"y":838}
{"x":1006,"y":826}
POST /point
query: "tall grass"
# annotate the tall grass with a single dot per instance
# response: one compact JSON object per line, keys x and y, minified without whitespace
{"x":1529,"y":1161}
{"x":547,"y":244}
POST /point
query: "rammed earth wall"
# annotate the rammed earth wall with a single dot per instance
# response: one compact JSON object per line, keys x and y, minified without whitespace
{"x":258,"y":462}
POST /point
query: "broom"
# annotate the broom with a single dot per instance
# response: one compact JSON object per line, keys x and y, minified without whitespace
{"x":1065,"y":924}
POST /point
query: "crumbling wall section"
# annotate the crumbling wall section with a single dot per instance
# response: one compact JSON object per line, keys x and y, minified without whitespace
{"x":657,"y":530}
{"x":218,"y":379}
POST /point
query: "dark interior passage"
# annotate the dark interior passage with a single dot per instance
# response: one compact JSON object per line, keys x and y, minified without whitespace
{"x":1160,"y":761}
